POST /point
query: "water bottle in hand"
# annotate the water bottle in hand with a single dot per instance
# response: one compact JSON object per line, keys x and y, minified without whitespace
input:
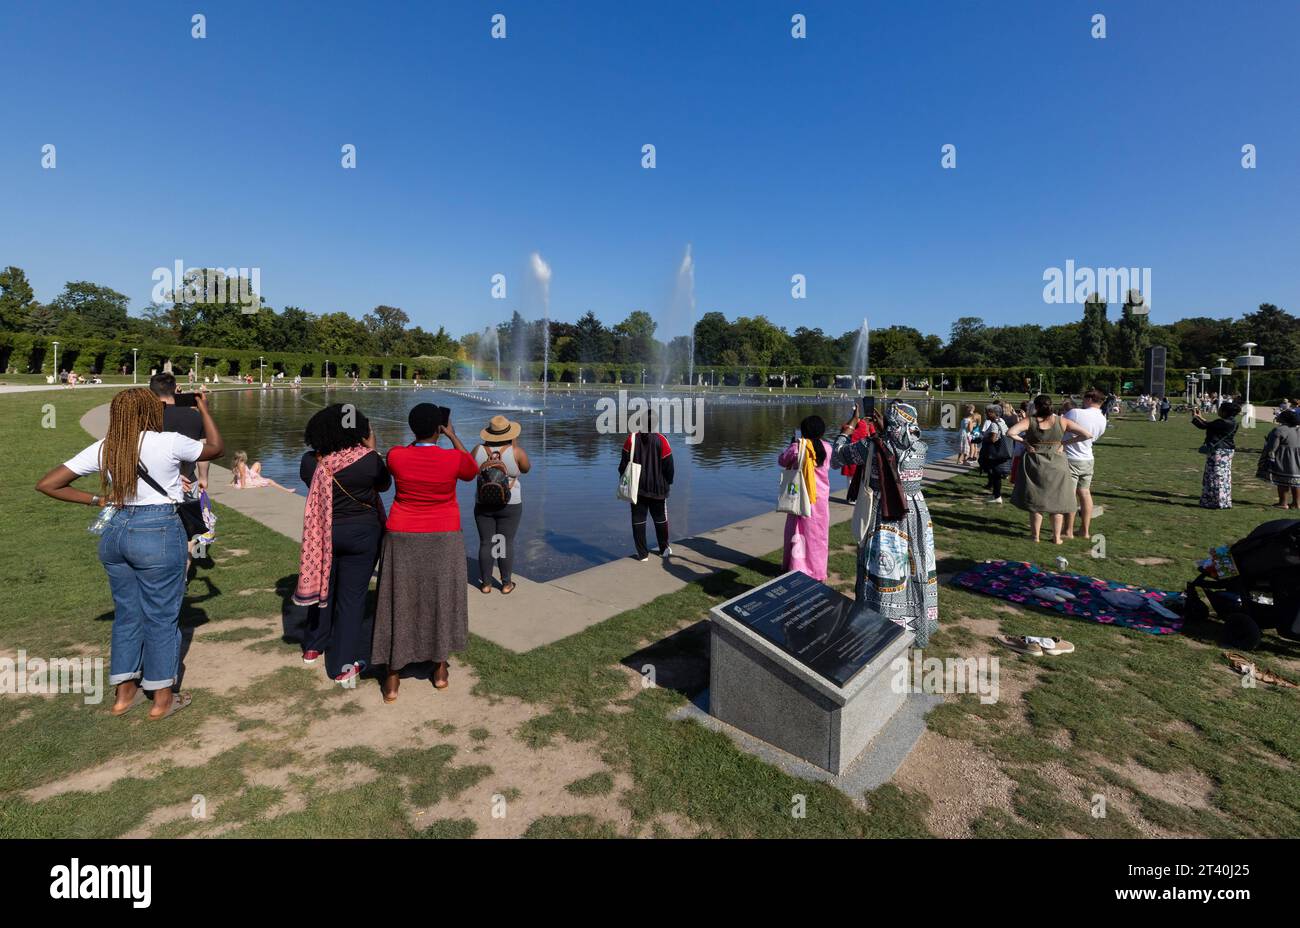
{"x":105,"y":516}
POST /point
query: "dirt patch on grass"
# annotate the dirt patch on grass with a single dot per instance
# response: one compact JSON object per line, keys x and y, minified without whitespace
{"x":1186,"y":787}
{"x":960,"y":780}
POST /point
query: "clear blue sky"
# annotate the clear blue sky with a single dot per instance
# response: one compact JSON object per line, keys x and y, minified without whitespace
{"x":775,"y":156}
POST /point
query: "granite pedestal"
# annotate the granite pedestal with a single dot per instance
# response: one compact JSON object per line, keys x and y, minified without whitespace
{"x":765,"y":690}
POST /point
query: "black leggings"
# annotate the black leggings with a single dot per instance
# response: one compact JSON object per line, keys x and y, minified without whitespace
{"x":503,"y":522}
{"x":342,"y":628}
{"x":658,"y":510}
{"x":995,"y":484}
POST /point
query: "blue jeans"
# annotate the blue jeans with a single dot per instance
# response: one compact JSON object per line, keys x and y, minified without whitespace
{"x":144,"y":550}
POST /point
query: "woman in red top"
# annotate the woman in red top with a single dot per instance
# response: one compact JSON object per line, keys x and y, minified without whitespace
{"x":423,"y":612}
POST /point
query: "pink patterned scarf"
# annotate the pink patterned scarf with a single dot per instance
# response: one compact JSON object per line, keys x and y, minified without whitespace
{"x":318,"y":528}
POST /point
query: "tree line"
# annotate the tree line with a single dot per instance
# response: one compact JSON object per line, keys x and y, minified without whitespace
{"x":203,"y":315}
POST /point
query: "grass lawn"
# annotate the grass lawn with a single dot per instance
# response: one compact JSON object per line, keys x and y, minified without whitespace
{"x":566,"y":741}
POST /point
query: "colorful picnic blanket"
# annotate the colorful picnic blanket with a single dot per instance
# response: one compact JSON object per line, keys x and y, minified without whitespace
{"x":1106,"y":601}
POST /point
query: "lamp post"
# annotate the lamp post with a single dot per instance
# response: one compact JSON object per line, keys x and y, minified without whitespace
{"x":1202,"y":377}
{"x":134,"y":364}
{"x":1222,"y":370}
{"x":56,"y":362}
{"x":1249,"y":360}
{"x":326,"y":372}
{"x":196,"y":367}
{"x":261,"y":369}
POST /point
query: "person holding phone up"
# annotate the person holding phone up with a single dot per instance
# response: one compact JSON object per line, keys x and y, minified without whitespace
{"x":143,"y":546}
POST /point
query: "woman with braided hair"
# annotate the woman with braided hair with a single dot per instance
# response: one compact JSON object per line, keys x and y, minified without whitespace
{"x":143,"y":547}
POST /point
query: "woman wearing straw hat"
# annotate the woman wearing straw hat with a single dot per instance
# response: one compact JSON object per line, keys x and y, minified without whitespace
{"x":499,"y":522}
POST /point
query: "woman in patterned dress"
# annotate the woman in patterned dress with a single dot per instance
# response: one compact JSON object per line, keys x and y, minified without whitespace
{"x":1219,"y":447}
{"x":896,"y":568}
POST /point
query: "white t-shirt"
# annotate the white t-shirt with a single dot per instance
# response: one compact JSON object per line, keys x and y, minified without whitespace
{"x":161,"y":453}
{"x":1094,"y":420}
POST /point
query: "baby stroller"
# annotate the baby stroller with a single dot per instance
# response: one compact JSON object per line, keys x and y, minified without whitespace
{"x":1252,"y":585}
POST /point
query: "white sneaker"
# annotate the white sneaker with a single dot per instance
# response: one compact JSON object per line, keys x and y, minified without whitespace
{"x":644,"y":559}
{"x":993,"y":499}
{"x":666,"y":552}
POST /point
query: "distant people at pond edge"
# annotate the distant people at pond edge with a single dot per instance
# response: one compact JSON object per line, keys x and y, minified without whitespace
{"x":423,"y":611}
{"x":499,"y":499}
{"x":1219,"y":447}
{"x":341,"y":531}
{"x":968,"y":430}
{"x":1044,"y":485}
{"x":244,"y":476}
{"x":144,"y":546}
{"x":891,"y":522}
{"x":807,"y":538}
{"x":653,"y":459}
{"x":1279,"y":462}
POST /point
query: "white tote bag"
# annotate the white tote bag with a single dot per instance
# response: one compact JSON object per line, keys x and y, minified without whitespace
{"x":630,"y":480}
{"x":794,"y":494}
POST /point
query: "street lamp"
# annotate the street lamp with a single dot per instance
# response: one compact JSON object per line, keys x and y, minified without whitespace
{"x":1249,"y":360}
{"x":56,"y":362}
{"x":261,"y":369}
{"x":197,"y":373}
{"x":1202,"y":377}
{"x":1223,"y":371}
{"x":134,"y":364}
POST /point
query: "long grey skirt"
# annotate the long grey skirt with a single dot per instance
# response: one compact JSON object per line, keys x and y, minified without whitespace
{"x":423,"y":611}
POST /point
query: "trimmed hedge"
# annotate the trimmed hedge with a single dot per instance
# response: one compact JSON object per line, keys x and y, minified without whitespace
{"x":34,"y":354}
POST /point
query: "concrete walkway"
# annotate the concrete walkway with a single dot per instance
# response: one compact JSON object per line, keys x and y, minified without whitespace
{"x":537,"y":614}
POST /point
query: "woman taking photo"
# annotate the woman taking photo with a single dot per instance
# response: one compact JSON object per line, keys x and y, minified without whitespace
{"x":651,"y":452}
{"x":144,"y":545}
{"x":341,"y":531}
{"x":423,"y":612}
{"x":1218,"y":448}
{"x":500,"y":450}
{"x":807,"y":537}
{"x":896,"y":566}
{"x":1044,"y":484}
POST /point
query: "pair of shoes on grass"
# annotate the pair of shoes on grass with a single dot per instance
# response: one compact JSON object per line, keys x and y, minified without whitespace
{"x":1035,"y":646}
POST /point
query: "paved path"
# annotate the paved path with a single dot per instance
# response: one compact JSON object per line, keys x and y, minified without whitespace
{"x":537,"y":614}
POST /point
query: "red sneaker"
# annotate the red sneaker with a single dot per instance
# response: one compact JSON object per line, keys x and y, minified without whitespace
{"x":349,"y":674}
{"x":310,"y":657}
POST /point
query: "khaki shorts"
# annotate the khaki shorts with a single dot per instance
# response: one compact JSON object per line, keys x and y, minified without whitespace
{"x":1081,"y":471}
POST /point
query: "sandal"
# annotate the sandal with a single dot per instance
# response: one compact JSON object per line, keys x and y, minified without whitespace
{"x":136,"y":700}
{"x":1058,"y":646}
{"x":485,"y":588}
{"x":508,"y":588}
{"x":179,"y":702}
{"x":1021,"y":644}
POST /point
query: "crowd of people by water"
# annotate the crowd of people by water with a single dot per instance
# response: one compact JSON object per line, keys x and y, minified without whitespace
{"x":420,"y":615}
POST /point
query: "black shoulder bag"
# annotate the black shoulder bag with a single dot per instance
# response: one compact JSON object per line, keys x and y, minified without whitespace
{"x":190,"y":510}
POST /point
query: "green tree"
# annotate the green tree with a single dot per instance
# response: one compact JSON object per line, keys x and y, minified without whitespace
{"x":634,"y":339}
{"x":1132,"y":336}
{"x":17,"y":299}
{"x":387,"y":327}
{"x":84,"y":308}
{"x":1095,"y":332}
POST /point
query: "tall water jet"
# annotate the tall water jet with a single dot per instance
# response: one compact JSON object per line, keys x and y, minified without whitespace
{"x":862,"y":355}
{"x":542,"y":272}
{"x":686,"y":291}
{"x":489,"y":349}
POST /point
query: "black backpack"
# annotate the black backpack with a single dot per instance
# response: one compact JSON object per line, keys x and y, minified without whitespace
{"x":494,"y":484}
